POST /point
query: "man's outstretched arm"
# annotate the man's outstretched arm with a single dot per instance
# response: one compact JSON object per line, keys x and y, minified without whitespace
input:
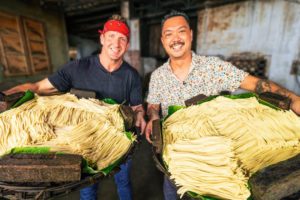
{"x":41,"y":87}
{"x":258,"y":85}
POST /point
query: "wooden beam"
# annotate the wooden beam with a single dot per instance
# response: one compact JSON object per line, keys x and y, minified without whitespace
{"x":93,"y":18}
{"x":98,"y":9}
{"x":86,"y":4}
{"x":84,"y":28}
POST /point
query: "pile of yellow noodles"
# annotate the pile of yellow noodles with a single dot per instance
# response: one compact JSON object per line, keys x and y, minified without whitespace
{"x":65,"y":123}
{"x":213,"y":148}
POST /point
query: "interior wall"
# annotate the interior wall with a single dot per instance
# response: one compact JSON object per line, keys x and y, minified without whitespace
{"x":85,"y":47}
{"x":55,"y":32}
{"x":271,"y":28}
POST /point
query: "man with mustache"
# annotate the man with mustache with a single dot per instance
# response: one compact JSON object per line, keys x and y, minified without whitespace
{"x":186,"y":75}
{"x":109,"y":76}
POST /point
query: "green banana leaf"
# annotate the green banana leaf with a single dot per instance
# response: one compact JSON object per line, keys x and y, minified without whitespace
{"x":197,"y":196}
{"x":173,"y":108}
{"x":241,"y":96}
{"x":109,"y":101}
{"x":27,"y":96}
{"x":31,"y":150}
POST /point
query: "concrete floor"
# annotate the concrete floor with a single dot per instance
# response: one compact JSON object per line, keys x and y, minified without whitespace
{"x":146,"y":179}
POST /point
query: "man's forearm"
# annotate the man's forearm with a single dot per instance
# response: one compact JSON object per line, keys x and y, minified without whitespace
{"x":263,"y":85}
{"x":41,"y":87}
{"x":153,"y":111}
{"x":21,"y":88}
{"x":139,"y":110}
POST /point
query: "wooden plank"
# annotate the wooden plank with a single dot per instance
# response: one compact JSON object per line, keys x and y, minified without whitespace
{"x":128,"y":116}
{"x":278,"y":100}
{"x":277,"y":181}
{"x":12,"y":48}
{"x":37,"y":48}
{"x":157,"y":136}
{"x":38,"y":168}
{"x":8,"y":24}
{"x":40,"y":63}
{"x":2,"y":55}
{"x":16,"y":65}
{"x":34,"y":30}
{"x":37,"y":45}
{"x":12,"y":45}
{"x":194,"y":100}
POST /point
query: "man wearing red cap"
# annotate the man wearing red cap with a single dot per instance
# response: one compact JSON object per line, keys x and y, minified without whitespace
{"x":109,"y":76}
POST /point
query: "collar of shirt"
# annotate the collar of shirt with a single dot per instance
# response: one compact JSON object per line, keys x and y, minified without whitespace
{"x":192,"y":66}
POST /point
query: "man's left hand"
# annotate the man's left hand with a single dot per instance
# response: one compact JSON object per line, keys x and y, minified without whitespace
{"x":140,"y":122}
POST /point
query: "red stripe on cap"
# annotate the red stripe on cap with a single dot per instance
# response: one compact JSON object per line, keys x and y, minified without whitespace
{"x":115,"y":25}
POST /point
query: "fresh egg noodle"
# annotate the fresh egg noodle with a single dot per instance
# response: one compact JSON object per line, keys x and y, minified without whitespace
{"x":213,"y":148}
{"x":64,"y":123}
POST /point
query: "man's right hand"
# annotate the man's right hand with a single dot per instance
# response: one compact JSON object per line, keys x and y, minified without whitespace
{"x":6,"y":101}
{"x":3,"y":103}
{"x":3,"y":106}
{"x":148,"y":131}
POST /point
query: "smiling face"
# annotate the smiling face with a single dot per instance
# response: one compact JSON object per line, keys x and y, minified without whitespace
{"x":114,"y":45}
{"x":177,"y":37}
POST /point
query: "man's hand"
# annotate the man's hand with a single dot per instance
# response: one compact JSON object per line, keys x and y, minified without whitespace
{"x":140,"y":122}
{"x":3,"y":106}
{"x":295,"y":106}
{"x":148,"y":131}
{"x":153,"y":114}
{"x":3,"y":103}
{"x":139,"y":114}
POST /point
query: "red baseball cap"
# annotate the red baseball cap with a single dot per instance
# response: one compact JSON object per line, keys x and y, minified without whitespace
{"x":116,"y":25}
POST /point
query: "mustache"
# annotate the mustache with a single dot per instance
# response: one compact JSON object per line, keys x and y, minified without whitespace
{"x":177,"y":42}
